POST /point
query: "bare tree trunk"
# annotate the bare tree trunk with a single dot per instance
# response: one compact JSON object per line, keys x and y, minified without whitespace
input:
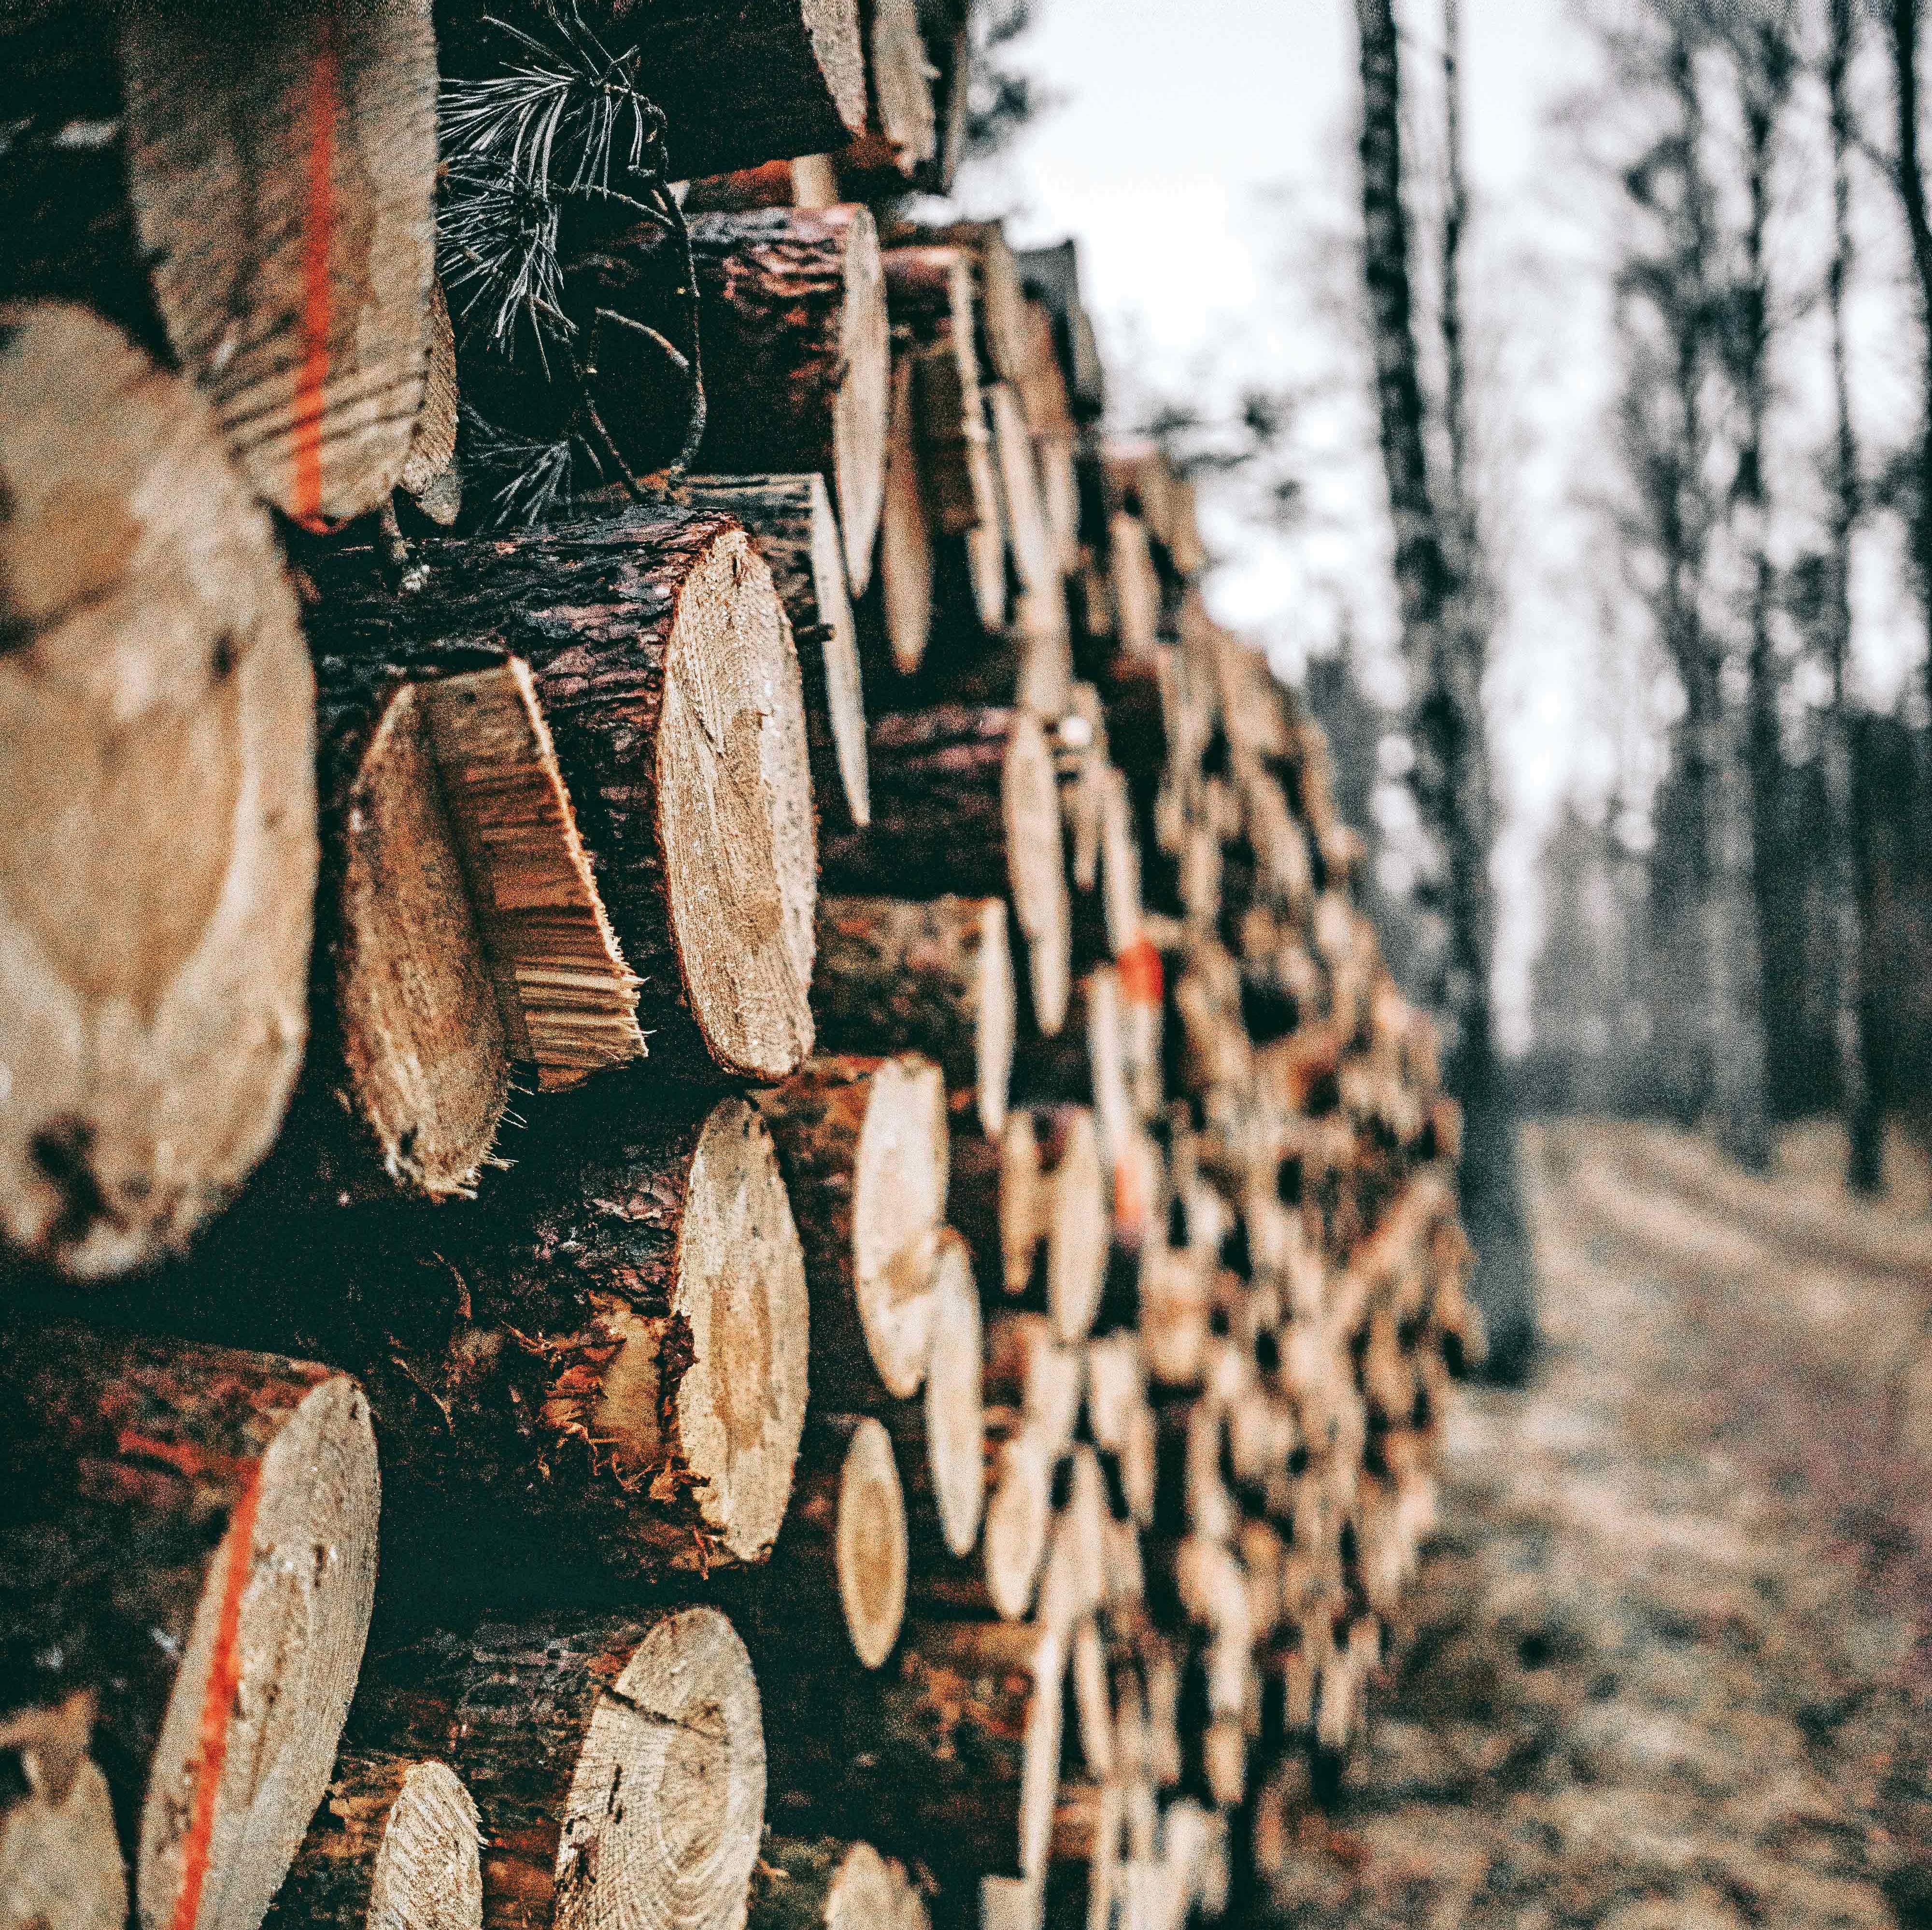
{"x":1859,"y":1095}
{"x":1444,"y":620}
{"x":1765,"y":64}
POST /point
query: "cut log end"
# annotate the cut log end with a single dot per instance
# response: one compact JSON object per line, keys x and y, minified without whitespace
{"x":898,"y":1199}
{"x":862,"y":411}
{"x":60,"y":1867}
{"x":396,"y":1846}
{"x":732,"y":775}
{"x":822,"y":1883}
{"x":838,"y":649}
{"x":997,"y":1021}
{"x":1078,"y":1220}
{"x":667,"y":1802}
{"x":740,"y":1286}
{"x":294,"y":1578}
{"x":157,"y":877}
{"x":955,"y":1421}
{"x":871,"y":1543}
{"x":905,"y":538}
{"x":1037,"y":873}
{"x":1019,"y":1516}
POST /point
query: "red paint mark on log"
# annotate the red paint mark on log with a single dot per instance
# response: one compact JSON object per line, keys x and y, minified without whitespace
{"x":306,"y":502}
{"x":184,"y":1457}
{"x":1139,"y":969}
{"x":224,"y":1678}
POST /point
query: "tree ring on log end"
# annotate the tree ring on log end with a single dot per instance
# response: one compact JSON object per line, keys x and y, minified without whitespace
{"x":996,"y":1022}
{"x":428,"y":1873}
{"x":862,"y":412}
{"x":666,"y":1807}
{"x":955,"y":1432}
{"x":1078,"y":1226}
{"x":157,"y":751}
{"x":872,"y":1543}
{"x":266,"y":1679}
{"x":898,"y":1199}
{"x":741,"y":1286}
{"x":731,"y":767}
{"x":1029,"y":800}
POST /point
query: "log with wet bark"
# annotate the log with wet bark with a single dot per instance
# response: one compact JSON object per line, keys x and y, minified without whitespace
{"x":952,"y":1751}
{"x":932,"y":976}
{"x":791,"y":522}
{"x":797,"y":371}
{"x":965,"y":799}
{"x":190,"y":1538}
{"x":157,"y":863}
{"x":664,"y":668}
{"x":610,"y":1367}
{"x":825,"y":1883}
{"x":61,"y":1865}
{"x":862,"y":1144}
{"x":397,"y":1840}
{"x":617,"y":1764}
{"x":738,"y":85}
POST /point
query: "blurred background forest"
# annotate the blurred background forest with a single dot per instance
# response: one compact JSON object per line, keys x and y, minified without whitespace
{"x":1669,"y":268}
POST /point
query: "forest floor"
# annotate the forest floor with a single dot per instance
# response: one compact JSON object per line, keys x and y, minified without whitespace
{"x":1670,"y":1662}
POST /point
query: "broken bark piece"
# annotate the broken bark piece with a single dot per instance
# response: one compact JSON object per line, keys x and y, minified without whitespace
{"x":965,"y":799}
{"x":617,"y":1764}
{"x":60,"y":1866}
{"x":932,"y":976}
{"x":863,"y":1142}
{"x":665,"y":670}
{"x":281,"y":164}
{"x":158,"y":866}
{"x":396,"y":1840}
{"x":191,"y":1538}
{"x":790,"y":520}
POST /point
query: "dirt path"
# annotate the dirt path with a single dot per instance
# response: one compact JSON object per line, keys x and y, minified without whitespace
{"x":1671,"y":1666}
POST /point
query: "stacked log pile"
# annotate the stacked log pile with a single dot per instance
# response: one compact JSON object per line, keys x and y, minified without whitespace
{"x":639,"y":890}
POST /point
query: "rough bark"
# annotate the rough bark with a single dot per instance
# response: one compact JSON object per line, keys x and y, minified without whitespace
{"x":61,"y":1865}
{"x":431,"y":476}
{"x":396,"y":1840}
{"x":797,"y":371}
{"x":1002,"y":301}
{"x":739,"y":86}
{"x":158,"y":867}
{"x":663,"y":666}
{"x":932,"y":976}
{"x":281,"y":164}
{"x":952,"y":1751}
{"x":617,"y":1765}
{"x":964,"y":800}
{"x":186,"y":1522}
{"x":612,"y":1364}
{"x":790,"y":520}
{"x":862,"y":1144}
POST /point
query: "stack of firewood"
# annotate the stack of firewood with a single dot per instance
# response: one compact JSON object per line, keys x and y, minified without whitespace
{"x":637,"y":889}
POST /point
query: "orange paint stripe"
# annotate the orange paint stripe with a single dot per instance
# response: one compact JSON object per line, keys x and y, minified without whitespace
{"x":224,"y":1678}
{"x":1139,"y":969}
{"x":182,"y":1456}
{"x":306,"y":504}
